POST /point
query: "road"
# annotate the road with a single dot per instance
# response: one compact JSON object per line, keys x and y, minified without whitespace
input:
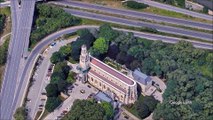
{"x":135,"y":14}
{"x":176,"y":9}
{"x":21,"y":28}
{"x":5,"y":4}
{"x":122,"y":21}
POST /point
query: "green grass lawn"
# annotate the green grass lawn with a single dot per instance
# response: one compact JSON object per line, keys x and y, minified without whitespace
{"x":163,"y":12}
{"x":5,"y":11}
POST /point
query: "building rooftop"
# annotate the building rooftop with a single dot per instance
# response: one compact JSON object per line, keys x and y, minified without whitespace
{"x":108,"y":81}
{"x":111,"y":71}
{"x":102,"y":97}
{"x":141,"y":77}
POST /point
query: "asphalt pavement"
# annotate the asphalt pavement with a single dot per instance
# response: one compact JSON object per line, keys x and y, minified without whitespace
{"x":176,"y":9}
{"x":135,"y":14}
{"x":21,"y":29}
{"x":5,"y":4}
{"x":139,"y":24}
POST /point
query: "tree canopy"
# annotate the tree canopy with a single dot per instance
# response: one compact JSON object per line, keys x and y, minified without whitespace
{"x":85,"y":110}
{"x":20,"y":114}
{"x":135,"y":5}
{"x":48,"y":20}
{"x":3,"y":52}
{"x":2,"y":22}
{"x":57,"y":84}
{"x":100,"y":46}
{"x":106,"y":32}
{"x":52,"y":103}
{"x":144,"y":106}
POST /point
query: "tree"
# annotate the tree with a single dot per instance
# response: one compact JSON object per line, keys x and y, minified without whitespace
{"x":121,"y":57}
{"x":135,"y":5}
{"x":20,"y":114}
{"x":100,"y":46}
{"x":143,"y":111}
{"x":66,"y":50}
{"x":2,"y":21}
{"x":106,"y":32}
{"x":113,"y":51}
{"x":57,"y":57}
{"x":137,"y":51}
{"x":109,"y":112}
{"x":52,"y":103}
{"x":3,"y":52}
{"x":85,"y":110}
{"x":71,"y":77}
{"x":151,"y":102}
{"x":83,"y":32}
{"x":50,"y":19}
{"x":134,"y":65}
{"x":145,"y":106}
{"x":52,"y":90}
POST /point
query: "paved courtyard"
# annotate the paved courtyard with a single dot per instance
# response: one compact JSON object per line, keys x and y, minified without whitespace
{"x":75,"y":94}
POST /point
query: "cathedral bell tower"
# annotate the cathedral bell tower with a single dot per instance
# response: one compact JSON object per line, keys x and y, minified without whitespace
{"x":84,"y":59}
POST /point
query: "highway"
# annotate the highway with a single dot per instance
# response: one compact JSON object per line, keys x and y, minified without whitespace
{"x":176,"y":9}
{"x":21,"y":28}
{"x":135,"y":14}
{"x":49,"y":39}
{"x":5,"y":4}
{"x":122,"y":21}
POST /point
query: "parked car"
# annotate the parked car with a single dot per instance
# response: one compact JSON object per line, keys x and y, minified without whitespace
{"x":65,"y":112}
{"x":82,"y":91}
{"x":44,"y":93}
{"x":41,"y":106}
{"x":53,"y":44}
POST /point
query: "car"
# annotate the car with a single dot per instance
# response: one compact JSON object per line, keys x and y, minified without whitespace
{"x":44,"y":93}
{"x":82,"y":91}
{"x":41,"y":106}
{"x":88,"y":86}
{"x":126,"y":117}
{"x":65,"y":111}
{"x":53,"y":44}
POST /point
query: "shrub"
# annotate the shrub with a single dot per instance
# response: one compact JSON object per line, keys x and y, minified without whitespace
{"x":135,"y":5}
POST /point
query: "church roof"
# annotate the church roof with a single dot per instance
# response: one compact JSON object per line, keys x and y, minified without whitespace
{"x":111,"y":71}
{"x":106,"y":80}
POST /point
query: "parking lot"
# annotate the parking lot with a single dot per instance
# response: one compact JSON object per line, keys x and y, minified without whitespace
{"x":79,"y":91}
{"x":36,"y":97}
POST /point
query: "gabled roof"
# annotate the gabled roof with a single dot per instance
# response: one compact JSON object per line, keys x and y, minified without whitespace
{"x":112,"y":71}
{"x":141,"y":77}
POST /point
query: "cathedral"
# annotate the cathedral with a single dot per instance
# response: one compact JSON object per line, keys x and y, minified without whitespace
{"x":115,"y":84}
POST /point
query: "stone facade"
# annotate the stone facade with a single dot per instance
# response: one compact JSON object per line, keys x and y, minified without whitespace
{"x":108,"y":80}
